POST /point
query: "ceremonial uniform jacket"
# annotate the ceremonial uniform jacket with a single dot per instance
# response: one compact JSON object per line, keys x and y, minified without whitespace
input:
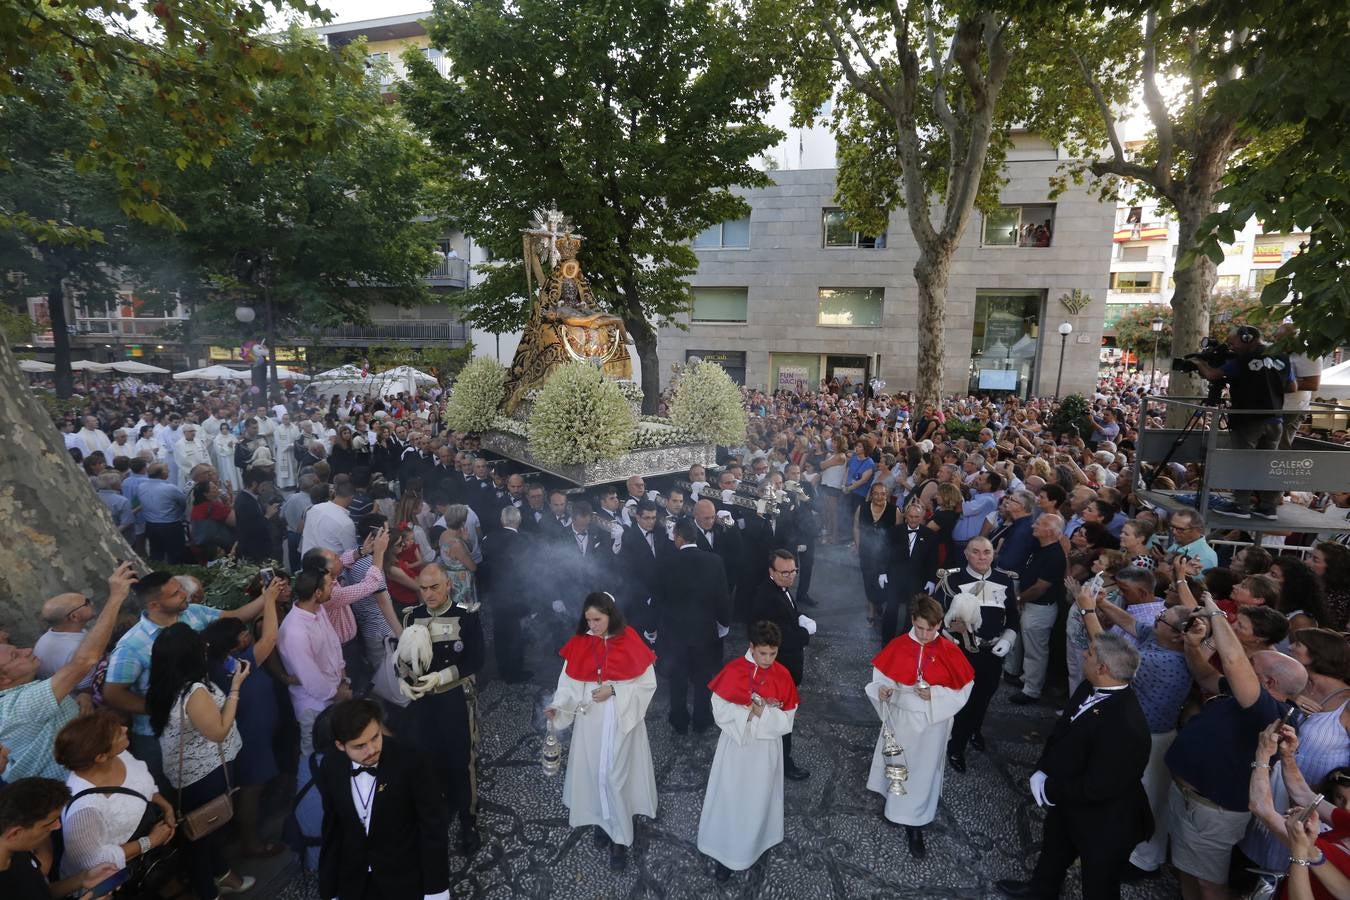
{"x":997,"y":592}
{"x":456,"y":640}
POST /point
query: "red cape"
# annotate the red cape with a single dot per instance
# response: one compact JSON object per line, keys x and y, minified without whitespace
{"x":943,"y":662}
{"x":619,"y":658}
{"x":740,"y":677}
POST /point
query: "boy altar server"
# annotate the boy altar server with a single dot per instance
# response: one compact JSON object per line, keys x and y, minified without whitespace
{"x":920,"y":680}
{"x":754,"y":702}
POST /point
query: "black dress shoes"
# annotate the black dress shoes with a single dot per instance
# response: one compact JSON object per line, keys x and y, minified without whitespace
{"x":1021,"y":699}
{"x":722,"y":874}
{"x":957,"y":762}
{"x":601,"y":838}
{"x":794,"y":772}
{"x":1011,"y":887}
{"x":914,"y":835}
{"x":977,"y":741}
{"x":618,"y":857}
{"x":470,"y":842}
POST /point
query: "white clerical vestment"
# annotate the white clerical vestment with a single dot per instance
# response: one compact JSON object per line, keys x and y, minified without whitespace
{"x":610,"y":777}
{"x":921,"y":727}
{"x":743,"y":805}
{"x":187,"y":454}
{"x":224,"y":444}
{"x":284,"y":437}
{"x":93,"y":440}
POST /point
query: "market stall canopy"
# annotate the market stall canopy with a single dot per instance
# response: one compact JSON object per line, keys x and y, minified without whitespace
{"x":286,"y":373}
{"x":131,"y":367}
{"x":402,"y":373}
{"x":212,"y":373}
{"x":35,"y":365}
{"x":1336,"y":378}
{"x":88,"y":365}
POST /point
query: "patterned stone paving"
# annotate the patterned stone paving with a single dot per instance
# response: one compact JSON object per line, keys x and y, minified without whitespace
{"x":837,"y":845}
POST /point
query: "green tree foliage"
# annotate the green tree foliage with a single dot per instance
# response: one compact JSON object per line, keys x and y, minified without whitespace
{"x":207,"y":62}
{"x":636,"y":118}
{"x":1134,"y":330}
{"x":1298,"y":180}
{"x":925,"y":98}
{"x":314,"y":238}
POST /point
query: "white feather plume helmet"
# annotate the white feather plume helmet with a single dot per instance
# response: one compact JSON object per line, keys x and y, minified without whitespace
{"x":966,"y":608}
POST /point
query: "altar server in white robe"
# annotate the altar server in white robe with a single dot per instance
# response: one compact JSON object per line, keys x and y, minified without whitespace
{"x":148,"y":444}
{"x":606,"y":685}
{"x":754,"y":701}
{"x":92,"y":439}
{"x":919,"y":682}
{"x":284,"y":436}
{"x":225,"y":468}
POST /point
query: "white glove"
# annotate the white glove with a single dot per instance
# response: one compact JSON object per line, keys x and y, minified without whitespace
{"x":653,"y":495}
{"x":410,"y":691}
{"x":559,"y":608}
{"x":650,"y":636}
{"x":1005,"y":643}
{"x":727,"y":495}
{"x":616,"y":531}
{"x":722,"y":631}
{"x":808,"y":623}
{"x":724,"y":516}
{"x":414,"y":649}
{"x":698,"y":487}
{"x":427,"y":683}
{"x":882,"y":580}
{"x":1038,"y":789}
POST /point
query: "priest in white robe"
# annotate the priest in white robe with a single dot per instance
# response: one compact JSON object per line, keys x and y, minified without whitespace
{"x":284,"y":436}
{"x":224,"y":443}
{"x":148,"y":444}
{"x":603,"y":693}
{"x":92,"y":439}
{"x":920,"y":680}
{"x":121,"y":446}
{"x":754,"y":703}
{"x":191,"y":450}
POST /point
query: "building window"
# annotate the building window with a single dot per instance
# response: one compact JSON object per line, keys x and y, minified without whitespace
{"x":1020,"y":226}
{"x":1134,"y":254}
{"x":732,"y":234}
{"x":719,"y":304}
{"x":1005,"y":341}
{"x":1136,"y":282}
{"x":850,"y":307}
{"x":1261,"y":278}
{"x":380,"y":65}
{"x":1229,"y":282}
{"x":838,"y":234}
{"x":1268,"y":252}
{"x":1234,"y":250}
{"x":438,"y":59}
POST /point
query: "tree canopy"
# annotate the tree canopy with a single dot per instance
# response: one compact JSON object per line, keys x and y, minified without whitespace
{"x":636,"y":119}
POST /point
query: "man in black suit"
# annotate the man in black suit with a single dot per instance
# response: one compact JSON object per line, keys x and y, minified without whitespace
{"x":556,"y":521}
{"x":773,"y":602}
{"x":695,"y":610}
{"x":586,"y":555}
{"x":253,"y":519}
{"x":504,"y":579}
{"x":384,"y":830}
{"x":720,"y":538}
{"x":535,"y":512}
{"x":1089,"y":777}
{"x":644,"y":546}
{"x":913,"y":563}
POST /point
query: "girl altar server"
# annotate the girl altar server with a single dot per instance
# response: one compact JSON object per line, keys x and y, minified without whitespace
{"x":606,"y":684}
{"x":919,"y":682}
{"x":754,"y":703}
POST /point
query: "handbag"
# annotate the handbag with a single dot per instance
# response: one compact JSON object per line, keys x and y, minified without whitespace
{"x":212,"y":814}
{"x":386,"y":679}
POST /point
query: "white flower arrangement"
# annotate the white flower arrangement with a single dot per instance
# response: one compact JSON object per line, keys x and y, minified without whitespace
{"x":509,"y":425}
{"x":707,"y":404}
{"x":653,"y":433}
{"x":478,"y":392}
{"x":580,"y":417}
{"x":631,"y":390}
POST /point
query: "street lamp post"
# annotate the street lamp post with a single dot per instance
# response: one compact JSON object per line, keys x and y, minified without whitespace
{"x":1157,"y":326}
{"x":1065,"y":329}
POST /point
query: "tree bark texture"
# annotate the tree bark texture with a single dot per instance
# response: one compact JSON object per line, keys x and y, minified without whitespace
{"x":56,"y":315}
{"x":59,"y":535}
{"x":931,"y":273}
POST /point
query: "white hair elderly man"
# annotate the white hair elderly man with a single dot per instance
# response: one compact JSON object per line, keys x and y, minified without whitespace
{"x":109,"y":485}
{"x":189,"y":451}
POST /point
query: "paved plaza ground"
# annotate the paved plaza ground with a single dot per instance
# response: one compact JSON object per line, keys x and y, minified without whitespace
{"x":837,"y":845}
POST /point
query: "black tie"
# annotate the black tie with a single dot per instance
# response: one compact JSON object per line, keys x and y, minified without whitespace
{"x":363,"y":770}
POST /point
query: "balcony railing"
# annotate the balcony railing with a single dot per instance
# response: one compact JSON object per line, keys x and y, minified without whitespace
{"x":452,"y":333}
{"x":129,"y":327}
{"x":453,"y":272}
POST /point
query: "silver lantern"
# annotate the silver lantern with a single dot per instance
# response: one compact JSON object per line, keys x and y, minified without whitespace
{"x":552,"y":753}
{"x":893,"y":757}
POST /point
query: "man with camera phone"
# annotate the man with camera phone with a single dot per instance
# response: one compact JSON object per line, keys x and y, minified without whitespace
{"x":1256,"y":379}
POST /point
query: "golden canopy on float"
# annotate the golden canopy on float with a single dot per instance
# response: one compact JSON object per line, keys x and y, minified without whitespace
{"x":565,"y":324}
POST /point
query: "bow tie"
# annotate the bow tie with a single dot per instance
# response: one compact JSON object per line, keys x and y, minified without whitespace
{"x":363,"y":770}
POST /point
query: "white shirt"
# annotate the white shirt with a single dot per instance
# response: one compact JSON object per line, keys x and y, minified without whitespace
{"x":364,"y":787}
{"x":1303,"y":368}
{"x":54,"y":649}
{"x":327,"y":525}
{"x":1097,"y":696}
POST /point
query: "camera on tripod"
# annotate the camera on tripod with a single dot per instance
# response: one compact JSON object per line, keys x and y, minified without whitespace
{"x":1213,"y":353}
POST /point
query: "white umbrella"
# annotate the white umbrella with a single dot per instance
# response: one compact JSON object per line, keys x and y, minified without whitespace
{"x":88,"y":365}
{"x":212,"y":373}
{"x":35,"y":365}
{"x":286,"y":373}
{"x":131,"y":367}
{"x":348,"y":372}
{"x":1337,"y":377}
{"x":403,"y":373}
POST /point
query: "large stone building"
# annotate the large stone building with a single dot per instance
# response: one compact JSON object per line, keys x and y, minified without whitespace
{"x":789,"y":295}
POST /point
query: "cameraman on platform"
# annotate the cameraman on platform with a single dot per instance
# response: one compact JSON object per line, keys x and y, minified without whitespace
{"x":1256,"y":380}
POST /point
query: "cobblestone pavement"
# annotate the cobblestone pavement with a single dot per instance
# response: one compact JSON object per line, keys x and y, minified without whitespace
{"x":836,"y":846}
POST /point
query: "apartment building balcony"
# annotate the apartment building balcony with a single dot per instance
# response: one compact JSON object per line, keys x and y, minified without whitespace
{"x":449,"y":272}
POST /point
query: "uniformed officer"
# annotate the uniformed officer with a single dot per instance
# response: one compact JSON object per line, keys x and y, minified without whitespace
{"x":996,"y":590}
{"x":439,"y":653}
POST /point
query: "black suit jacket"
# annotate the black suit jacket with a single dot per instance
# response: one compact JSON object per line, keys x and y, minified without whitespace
{"x":908,"y":573}
{"x":637,"y":567}
{"x":406,"y":851}
{"x":693,"y":596}
{"x":727,"y":545}
{"x":253,"y":529}
{"x":1093,"y":765}
{"x":503,"y":575}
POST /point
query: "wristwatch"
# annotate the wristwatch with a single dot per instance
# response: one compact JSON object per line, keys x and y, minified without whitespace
{"x":145,"y":845}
